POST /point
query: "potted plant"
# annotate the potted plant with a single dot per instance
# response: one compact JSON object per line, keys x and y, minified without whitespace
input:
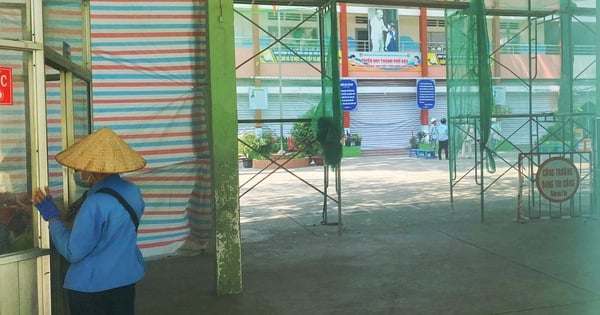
{"x":422,"y":142}
{"x":352,"y":139}
{"x":257,"y":148}
{"x":305,"y":141}
{"x":267,"y":152}
{"x":348,"y":140}
{"x":245,"y":152}
{"x":357,"y":139}
{"x":413,"y":142}
{"x":266,"y":145}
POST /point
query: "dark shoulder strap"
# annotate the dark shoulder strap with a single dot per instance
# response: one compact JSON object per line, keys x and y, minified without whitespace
{"x":112,"y":192}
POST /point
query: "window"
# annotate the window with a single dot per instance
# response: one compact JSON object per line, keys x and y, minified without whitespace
{"x":436,"y":41}
{"x":16,"y":217}
{"x":436,"y":23}
{"x":362,"y":39}
{"x":360,"y":19}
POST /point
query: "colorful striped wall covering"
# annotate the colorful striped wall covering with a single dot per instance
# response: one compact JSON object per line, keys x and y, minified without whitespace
{"x":149,"y":72}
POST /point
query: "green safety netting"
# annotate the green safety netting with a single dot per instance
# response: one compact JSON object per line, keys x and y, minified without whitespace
{"x":522,"y":46}
{"x":532,"y":67}
{"x":327,"y":119}
{"x":470,"y":99}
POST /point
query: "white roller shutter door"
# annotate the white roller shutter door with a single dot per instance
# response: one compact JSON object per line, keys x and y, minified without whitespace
{"x":386,"y":121}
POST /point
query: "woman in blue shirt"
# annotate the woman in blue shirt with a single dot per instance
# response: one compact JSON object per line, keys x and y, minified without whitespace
{"x":101,"y":247}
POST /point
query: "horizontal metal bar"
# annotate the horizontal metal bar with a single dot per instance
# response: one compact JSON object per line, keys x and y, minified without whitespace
{"x":517,"y":12}
{"x":282,"y":120}
{"x":23,"y":255}
{"x":389,"y":3}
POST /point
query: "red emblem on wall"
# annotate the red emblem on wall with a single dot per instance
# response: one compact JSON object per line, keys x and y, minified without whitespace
{"x":6,"y":86}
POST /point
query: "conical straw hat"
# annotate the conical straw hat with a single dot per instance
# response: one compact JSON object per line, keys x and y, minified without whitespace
{"x":102,"y":152}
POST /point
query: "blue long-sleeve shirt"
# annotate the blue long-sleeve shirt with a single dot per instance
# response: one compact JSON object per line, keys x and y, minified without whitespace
{"x":102,"y":245}
{"x":442,"y":132}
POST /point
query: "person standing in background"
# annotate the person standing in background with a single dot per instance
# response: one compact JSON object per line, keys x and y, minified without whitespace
{"x":442,"y":134}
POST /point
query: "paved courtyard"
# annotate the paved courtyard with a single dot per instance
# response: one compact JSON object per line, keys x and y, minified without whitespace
{"x":404,"y":248}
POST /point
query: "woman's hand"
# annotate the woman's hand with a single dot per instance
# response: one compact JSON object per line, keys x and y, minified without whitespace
{"x":39,"y":195}
{"x":43,"y":201}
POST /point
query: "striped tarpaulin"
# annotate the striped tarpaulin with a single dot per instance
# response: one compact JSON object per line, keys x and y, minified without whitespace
{"x":62,"y":28}
{"x":149,"y":74}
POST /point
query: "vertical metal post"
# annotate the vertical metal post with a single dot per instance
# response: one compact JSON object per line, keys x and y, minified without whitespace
{"x":280,"y":81}
{"x":520,"y":190}
{"x":338,"y":189}
{"x":595,"y":156}
{"x":596,"y":111}
{"x":325,"y":194}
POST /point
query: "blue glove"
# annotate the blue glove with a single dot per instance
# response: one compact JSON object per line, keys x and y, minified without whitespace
{"x":48,"y":209}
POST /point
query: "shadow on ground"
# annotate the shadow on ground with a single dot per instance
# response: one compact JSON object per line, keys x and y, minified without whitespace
{"x":403,"y":249}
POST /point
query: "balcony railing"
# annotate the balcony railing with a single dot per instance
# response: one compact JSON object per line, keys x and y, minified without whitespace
{"x":313,"y":44}
{"x":518,"y":49}
{"x":304,"y":45}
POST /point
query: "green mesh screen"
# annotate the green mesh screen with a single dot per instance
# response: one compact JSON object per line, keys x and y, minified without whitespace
{"x":327,"y":120}
{"x":521,"y":47}
{"x":529,"y":67}
{"x":470,"y":100}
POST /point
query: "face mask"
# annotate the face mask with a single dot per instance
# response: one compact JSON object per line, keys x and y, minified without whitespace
{"x":79,"y":181}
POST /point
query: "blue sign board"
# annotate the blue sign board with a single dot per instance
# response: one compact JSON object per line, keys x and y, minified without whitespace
{"x":426,"y":93}
{"x":349,"y":96}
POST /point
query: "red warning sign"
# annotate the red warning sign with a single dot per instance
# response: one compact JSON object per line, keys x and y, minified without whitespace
{"x":557,"y":179}
{"x":6,"y":86}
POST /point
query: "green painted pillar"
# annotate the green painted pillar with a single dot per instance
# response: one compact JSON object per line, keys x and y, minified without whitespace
{"x":222,"y":129}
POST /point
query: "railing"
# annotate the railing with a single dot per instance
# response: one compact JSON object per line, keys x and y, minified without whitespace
{"x":301,"y":44}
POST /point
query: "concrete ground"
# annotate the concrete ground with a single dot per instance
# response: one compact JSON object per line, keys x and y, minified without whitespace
{"x":403,"y":249}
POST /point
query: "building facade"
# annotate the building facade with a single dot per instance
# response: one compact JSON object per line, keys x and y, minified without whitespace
{"x":387,"y":113}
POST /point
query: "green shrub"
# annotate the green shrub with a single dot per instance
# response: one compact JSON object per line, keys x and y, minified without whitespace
{"x":260,"y":147}
{"x":304,"y":140}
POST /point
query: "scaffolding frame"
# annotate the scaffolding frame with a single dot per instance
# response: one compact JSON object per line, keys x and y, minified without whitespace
{"x":323,"y":9}
{"x":474,"y":128}
{"x":486,"y":155}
